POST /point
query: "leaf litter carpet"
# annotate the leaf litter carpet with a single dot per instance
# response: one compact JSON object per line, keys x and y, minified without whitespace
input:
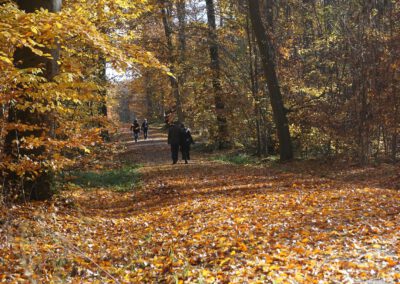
{"x":210,"y":222}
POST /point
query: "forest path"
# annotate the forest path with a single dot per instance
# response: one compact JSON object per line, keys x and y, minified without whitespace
{"x":218,"y":222}
{"x":153,"y":151}
{"x":211,"y":222}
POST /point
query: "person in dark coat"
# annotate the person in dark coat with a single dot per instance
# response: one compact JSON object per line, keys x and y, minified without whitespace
{"x":174,"y":139}
{"x":135,"y":128}
{"x":145,"y":128}
{"x":185,"y":141}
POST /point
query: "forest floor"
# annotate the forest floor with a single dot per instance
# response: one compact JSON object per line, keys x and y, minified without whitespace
{"x":210,"y":222}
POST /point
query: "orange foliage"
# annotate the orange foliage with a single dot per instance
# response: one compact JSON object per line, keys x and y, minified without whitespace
{"x":212,"y":222}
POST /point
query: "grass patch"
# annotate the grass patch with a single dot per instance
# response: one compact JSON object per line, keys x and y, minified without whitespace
{"x":203,"y":147}
{"x":237,"y":159}
{"x":122,"y":179}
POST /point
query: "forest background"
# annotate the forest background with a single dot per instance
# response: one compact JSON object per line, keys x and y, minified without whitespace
{"x":294,"y":106}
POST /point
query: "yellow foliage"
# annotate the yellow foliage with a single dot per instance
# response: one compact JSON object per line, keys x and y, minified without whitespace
{"x":86,"y":33}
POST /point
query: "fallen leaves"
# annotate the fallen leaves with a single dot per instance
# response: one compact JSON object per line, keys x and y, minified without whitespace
{"x":209,"y":224}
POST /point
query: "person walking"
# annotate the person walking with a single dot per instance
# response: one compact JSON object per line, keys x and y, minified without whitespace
{"x":185,"y":141}
{"x":135,"y":128}
{"x":145,"y":128}
{"x":174,"y":139}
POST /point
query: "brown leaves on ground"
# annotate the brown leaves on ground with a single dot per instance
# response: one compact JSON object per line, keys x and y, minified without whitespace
{"x":211,"y":223}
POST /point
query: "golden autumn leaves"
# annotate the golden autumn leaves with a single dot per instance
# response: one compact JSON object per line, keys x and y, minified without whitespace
{"x":72,"y":98}
{"x":213,"y":223}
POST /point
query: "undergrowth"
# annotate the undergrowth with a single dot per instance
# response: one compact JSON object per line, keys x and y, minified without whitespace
{"x":237,"y":159}
{"x":121,"y":179}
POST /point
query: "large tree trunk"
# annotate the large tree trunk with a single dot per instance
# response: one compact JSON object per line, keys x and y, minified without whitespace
{"x":172,"y":59}
{"x":265,"y":47}
{"x":38,"y":187}
{"x":223,"y":134}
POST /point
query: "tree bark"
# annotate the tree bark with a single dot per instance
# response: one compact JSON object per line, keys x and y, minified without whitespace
{"x":254,"y":85}
{"x":40,"y":186}
{"x":265,"y":47}
{"x":182,"y":73}
{"x":103,"y":110}
{"x":32,"y":6}
{"x":223,"y":133}
{"x":181,"y":13}
{"x":172,"y":59}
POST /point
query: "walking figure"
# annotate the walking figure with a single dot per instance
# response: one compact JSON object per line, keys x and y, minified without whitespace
{"x":145,"y":128}
{"x":135,"y":128}
{"x":185,"y":141}
{"x":174,"y":139}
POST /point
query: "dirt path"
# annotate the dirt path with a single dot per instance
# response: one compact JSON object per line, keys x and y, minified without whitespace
{"x":151,"y":152}
{"x":211,"y":222}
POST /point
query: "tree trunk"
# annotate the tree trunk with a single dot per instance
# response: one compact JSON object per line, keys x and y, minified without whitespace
{"x":395,"y":94}
{"x":148,"y":88}
{"x":254,"y":84}
{"x":103,"y":81}
{"x":32,"y":6}
{"x":38,"y":187}
{"x":103,"y":93}
{"x":265,"y":47}
{"x":172,"y":60}
{"x":181,"y":14}
{"x":223,"y":134}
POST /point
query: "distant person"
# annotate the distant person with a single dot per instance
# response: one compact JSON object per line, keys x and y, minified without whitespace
{"x":145,"y":128}
{"x":174,"y":139}
{"x":135,"y":128}
{"x":185,"y":141}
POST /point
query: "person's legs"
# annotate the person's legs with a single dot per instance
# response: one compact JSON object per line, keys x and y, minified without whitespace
{"x":145,"y":133}
{"x":136,"y":136}
{"x":184,"y":154}
{"x":174,"y":152}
